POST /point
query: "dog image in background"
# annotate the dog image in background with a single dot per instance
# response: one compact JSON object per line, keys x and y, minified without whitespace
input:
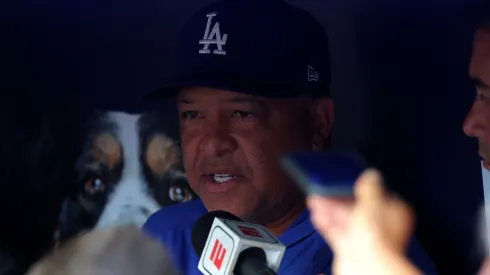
{"x":66,"y":168}
{"x":129,"y":168}
{"x":117,"y":251}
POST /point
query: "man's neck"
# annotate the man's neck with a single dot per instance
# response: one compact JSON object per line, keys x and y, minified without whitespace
{"x":279,"y":226}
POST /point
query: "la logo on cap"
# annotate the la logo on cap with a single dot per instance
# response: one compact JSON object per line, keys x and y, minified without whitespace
{"x":213,"y":37}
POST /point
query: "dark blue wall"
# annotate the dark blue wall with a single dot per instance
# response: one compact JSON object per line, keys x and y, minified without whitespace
{"x":399,"y":81}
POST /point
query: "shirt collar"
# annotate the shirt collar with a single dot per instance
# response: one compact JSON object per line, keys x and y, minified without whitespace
{"x":300,"y":229}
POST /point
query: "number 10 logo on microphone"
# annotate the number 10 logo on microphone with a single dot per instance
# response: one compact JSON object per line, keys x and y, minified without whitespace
{"x":218,"y":254}
{"x":217,"y":257}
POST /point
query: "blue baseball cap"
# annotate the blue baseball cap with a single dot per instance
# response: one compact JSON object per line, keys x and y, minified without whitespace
{"x":265,"y":48}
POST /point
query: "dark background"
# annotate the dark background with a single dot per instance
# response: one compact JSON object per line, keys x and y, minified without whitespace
{"x":399,"y":71}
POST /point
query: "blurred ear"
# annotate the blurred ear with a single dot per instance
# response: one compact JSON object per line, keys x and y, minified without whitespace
{"x":322,"y":112}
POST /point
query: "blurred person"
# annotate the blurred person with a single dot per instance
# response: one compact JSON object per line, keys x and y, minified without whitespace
{"x":373,"y":230}
{"x":252,"y":84}
{"x":477,"y":122}
{"x":118,"y":251}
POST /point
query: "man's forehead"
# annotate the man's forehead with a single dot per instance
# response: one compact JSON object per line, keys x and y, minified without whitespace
{"x":200,"y":94}
{"x":480,"y":60}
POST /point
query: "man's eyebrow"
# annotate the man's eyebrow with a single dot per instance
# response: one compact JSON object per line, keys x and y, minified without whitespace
{"x":251,"y":100}
{"x":185,"y":101}
{"x":478,"y":83}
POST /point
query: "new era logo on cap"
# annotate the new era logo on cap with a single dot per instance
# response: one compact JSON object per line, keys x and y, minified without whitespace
{"x":213,"y":37}
{"x":312,"y":74}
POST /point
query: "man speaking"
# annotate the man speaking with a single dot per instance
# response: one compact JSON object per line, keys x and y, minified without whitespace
{"x":252,"y":83}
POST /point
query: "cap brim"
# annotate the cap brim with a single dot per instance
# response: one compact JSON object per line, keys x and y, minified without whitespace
{"x":227,"y":83}
{"x":172,"y":88}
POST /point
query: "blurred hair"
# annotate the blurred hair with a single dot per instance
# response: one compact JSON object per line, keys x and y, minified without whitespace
{"x":119,"y":251}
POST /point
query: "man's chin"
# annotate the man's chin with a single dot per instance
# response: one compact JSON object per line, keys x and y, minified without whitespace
{"x":228,"y":207}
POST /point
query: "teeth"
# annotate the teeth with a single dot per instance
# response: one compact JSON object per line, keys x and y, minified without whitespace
{"x":221,"y":178}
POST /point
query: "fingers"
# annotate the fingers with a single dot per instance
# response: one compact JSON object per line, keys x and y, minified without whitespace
{"x":400,"y":224}
{"x":331,"y":212}
{"x":393,"y":214}
{"x":329,"y":216}
{"x":319,"y":215}
{"x":369,"y":188}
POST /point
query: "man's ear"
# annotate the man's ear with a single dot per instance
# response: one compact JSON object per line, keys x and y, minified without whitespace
{"x":322,"y":112}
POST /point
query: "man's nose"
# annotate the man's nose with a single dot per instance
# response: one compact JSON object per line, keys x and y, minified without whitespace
{"x":218,"y":140}
{"x":476,"y":122}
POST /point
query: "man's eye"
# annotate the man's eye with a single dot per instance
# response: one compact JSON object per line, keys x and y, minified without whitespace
{"x":483,"y":98}
{"x":242,"y":114}
{"x":190,"y":115}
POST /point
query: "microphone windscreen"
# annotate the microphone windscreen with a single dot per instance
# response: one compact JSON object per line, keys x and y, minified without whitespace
{"x":201,"y":228}
{"x":118,"y":251}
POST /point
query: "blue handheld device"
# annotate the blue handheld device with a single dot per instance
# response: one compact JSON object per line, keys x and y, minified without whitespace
{"x":327,"y":173}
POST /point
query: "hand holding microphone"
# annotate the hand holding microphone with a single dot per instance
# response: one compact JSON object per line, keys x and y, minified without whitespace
{"x":228,"y":246}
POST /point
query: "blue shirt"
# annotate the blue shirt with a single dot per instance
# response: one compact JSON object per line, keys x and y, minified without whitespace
{"x":306,"y":253}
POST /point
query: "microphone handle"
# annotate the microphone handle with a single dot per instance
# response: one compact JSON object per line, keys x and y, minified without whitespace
{"x":253,"y":261}
{"x":252,"y":266}
{"x":266,"y":271}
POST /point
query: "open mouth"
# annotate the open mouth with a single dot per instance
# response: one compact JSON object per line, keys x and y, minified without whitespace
{"x":222,"y":182}
{"x":222,"y":178}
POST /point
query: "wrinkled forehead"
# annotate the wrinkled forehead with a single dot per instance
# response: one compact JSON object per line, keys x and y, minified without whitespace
{"x":480,"y":59}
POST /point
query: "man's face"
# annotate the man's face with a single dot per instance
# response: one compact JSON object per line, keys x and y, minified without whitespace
{"x":232,"y":144}
{"x":477,"y":122}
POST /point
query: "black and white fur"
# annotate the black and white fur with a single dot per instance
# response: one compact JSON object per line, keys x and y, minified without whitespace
{"x":130,"y":191}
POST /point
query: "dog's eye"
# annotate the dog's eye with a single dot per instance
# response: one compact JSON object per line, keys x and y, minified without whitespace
{"x":94,"y":185}
{"x":179,"y":194}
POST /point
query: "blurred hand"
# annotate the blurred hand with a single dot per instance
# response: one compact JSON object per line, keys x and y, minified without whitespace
{"x":369,"y":234}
